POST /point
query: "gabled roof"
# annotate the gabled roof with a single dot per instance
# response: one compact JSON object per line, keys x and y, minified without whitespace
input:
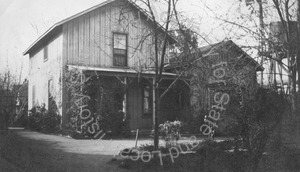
{"x":57,"y":28}
{"x":226,"y":45}
{"x":229,"y":45}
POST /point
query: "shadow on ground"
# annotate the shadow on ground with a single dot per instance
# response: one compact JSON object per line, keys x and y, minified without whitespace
{"x":31,"y":151}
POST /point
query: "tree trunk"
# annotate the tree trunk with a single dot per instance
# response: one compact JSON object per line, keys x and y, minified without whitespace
{"x":156,"y":120}
{"x":298,"y":44}
{"x":261,"y":43}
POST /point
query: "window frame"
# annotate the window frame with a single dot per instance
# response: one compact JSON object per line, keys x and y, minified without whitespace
{"x":46,"y":53}
{"x":50,"y":96}
{"x":150,"y":102}
{"x":126,"y":49}
{"x":33,"y":96}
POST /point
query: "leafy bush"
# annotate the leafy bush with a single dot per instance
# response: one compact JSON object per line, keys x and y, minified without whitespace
{"x":35,"y":117}
{"x":118,"y":126}
{"x":210,"y":156}
{"x":259,"y":113}
{"x":215,"y":156}
{"x":113,"y":121}
{"x":192,"y":125}
{"x":40,"y":119}
{"x":170,"y":131}
{"x":105,"y":104}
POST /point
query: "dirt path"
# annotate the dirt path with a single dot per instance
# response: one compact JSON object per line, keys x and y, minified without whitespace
{"x":6,"y":166}
{"x":32,"y":151}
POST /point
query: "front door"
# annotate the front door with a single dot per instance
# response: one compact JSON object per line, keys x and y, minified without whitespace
{"x":136,"y":105}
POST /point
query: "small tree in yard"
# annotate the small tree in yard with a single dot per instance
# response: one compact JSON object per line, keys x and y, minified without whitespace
{"x":7,"y":97}
{"x":258,"y":114}
{"x":161,"y":42}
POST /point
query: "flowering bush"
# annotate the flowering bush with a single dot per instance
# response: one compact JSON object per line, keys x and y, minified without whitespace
{"x":170,"y":131}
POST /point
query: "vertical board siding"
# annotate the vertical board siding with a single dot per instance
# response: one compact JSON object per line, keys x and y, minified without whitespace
{"x":70,"y":43}
{"x":86,"y":43}
{"x":108,"y":36}
{"x":92,"y":39}
{"x":76,"y":42}
{"x":97,"y":39}
{"x":65,"y":44}
{"x":89,"y":37}
{"x":81,"y":39}
{"x":102,"y":38}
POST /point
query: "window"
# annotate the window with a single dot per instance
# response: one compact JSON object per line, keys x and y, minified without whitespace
{"x":33,"y":96}
{"x":119,"y":49}
{"x":147,"y":101}
{"x":50,"y":98}
{"x":45,"y":53}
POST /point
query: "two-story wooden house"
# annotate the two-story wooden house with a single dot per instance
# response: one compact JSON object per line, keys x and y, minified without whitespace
{"x":112,"y":42}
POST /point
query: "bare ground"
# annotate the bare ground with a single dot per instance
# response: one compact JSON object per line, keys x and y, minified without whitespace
{"x":30,"y":151}
{"x":33,"y":151}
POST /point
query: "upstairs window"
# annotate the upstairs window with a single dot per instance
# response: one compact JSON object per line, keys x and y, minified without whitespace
{"x":119,"y":49}
{"x":45,"y":53}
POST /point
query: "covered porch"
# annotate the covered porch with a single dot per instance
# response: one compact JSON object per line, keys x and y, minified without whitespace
{"x":128,"y":95}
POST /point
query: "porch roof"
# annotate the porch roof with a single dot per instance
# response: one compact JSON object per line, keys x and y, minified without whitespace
{"x":123,"y":71}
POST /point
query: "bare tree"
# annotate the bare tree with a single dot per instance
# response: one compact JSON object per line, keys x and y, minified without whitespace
{"x":186,"y":45}
{"x":273,"y":47}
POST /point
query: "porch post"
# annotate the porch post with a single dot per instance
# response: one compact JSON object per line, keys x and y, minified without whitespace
{"x":125,"y":99}
{"x":153,"y":101}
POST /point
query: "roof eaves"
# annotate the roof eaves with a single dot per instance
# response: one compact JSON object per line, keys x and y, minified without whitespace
{"x":246,"y":55}
{"x":87,"y":11}
{"x":36,"y":41}
{"x":118,"y":70}
{"x":65,"y":21}
{"x":208,"y":49}
{"x":150,"y":18}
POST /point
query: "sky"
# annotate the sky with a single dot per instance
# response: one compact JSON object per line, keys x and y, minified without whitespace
{"x":23,"y":21}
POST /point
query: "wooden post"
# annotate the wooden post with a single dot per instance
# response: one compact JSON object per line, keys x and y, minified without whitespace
{"x":298,"y":44}
{"x":261,"y":41}
{"x":153,"y":101}
{"x":136,"y":137}
{"x":125,"y":99}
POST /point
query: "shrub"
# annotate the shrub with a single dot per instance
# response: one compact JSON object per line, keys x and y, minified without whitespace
{"x":114,"y":123}
{"x":192,"y":125}
{"x":40,"y":119}
{"x":104,"y":102}
{"x":260,"y":112}
{"x":170,"y":131}
{"x":35,"y":118}
{"x":215,"y":156}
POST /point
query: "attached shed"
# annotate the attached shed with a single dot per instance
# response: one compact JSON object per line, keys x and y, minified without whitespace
{"x":215,"y":68}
